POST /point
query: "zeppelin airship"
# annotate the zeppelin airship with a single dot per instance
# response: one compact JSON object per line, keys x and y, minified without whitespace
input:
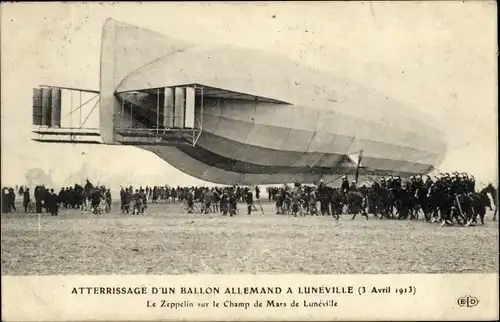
{"x":232,"y":115}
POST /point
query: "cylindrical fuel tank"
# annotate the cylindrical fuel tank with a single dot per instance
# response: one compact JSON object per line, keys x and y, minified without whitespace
{"x":168,"y":108}
{"x":180,"y":97}
{"x":46,"y":106}
{"x":37,"y":106}
{"x":56,"y":107}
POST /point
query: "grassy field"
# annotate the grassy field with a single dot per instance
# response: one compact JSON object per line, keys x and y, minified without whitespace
{"x":167,"y":242}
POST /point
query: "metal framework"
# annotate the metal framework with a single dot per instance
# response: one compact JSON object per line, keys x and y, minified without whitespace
{"x":129,"y":135}
{"x":79,"y":134}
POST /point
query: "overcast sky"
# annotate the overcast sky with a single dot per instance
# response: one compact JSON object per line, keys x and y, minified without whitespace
{"x":439,"y":57}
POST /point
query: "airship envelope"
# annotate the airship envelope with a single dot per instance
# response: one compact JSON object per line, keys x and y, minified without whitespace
{"x":241,"y":116}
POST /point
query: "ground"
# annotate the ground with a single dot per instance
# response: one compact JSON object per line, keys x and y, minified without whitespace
{"x":165,"y":241}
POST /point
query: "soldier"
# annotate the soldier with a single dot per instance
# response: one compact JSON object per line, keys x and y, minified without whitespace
{"x":472,"y":184}
{"x":95,"y":200}
{"x":383,"y":183}
{"x":428,"y":181}
{"x":397,"y":183}
{"x":456,"y":186}
{"x":353,"y":186}
{"x":344,"y":187}
{"x":257,"y":192}
{"x":390,"y":182}
{"x":413,"y":186}
{"x":420,"y":181}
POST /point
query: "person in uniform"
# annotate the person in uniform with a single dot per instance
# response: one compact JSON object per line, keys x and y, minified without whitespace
{"x":344,"y":186}
{"x":390,"y":182}
{"x":472,"y":184}
{"x":95,"y":200}
{"x":428,"y":181}
{"x":383,"y":183}
{"x":353,"y":186}
{"x":456,"y":186}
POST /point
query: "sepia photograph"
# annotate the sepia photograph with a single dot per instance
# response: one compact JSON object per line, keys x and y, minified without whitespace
{"x":249,"y":138}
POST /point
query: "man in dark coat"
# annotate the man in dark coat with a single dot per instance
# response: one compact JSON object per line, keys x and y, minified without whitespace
{"x":52,"y":200}
{"x":26,"y":199}
{"x":249,"y":201}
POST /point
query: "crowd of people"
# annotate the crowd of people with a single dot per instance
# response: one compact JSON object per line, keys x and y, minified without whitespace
{"x":448,"y":198}
{"x":214,"y":199}
{"x":45,"y":199}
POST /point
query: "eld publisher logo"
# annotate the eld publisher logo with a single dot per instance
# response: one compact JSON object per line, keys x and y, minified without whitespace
{"x":468,"y":301}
